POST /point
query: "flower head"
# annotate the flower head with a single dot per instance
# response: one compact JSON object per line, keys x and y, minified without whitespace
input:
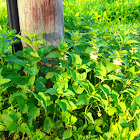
{"x":117,"y":62}
{"x":92,"y":56}
{"x":118,"y":70}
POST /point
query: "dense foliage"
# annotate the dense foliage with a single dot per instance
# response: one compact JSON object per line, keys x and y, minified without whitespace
{"x":92,"y":90}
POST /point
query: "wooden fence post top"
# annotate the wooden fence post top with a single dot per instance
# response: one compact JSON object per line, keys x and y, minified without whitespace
{"x":42,"y":15}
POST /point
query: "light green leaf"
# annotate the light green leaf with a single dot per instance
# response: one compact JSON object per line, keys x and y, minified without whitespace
{"x":110,"y":67}
{"x":24,"y":39}
{"x":122,"y":106}
{"x":4,"y":81}
{"x":6,"y":119}
{"x":31,"y":81}
{"x":52,"y":91}
{"x":34,"y":54}
{"x":1,"y":127}
{"x":54,"y":54}
{"x":134,"y":134}
{"x":49,"y":75}
{"x":137,"y":124}
{"x":29,"y":35}
{"x":73,"y":120}
{"x":76,"y":60}
{"x":122,"y":121}
{"x":89,"y":117}
{"x":112,"y":77}
{"x":77,"y":88}
{"x":37,"y":36}
{"x":111,"y":111}
{"x":83,"y":99}
{"x":100,"y":71}
{"x":67,"y":134}
{"x":69,"y":93}
{"x":72,"y":105}
{"x":62,"y":104}
{"x":106,"y":90}
{"x":42,"y":99}
{"x":98,"y":129}
{"x":131,"y":41}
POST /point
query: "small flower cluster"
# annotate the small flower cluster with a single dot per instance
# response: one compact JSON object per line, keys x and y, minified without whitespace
{"x":118,"y":70}
{"x":92,"y":56}
{"x":117,"y":62}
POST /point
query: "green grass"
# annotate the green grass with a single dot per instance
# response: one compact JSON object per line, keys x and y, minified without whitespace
{"x":3,"y":15}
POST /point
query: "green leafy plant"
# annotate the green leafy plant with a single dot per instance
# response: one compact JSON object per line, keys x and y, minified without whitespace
{"x":91,"y":90}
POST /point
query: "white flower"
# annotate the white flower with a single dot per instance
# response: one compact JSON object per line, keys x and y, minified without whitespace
{"x":65,"y":57}
{"x":118,"y":70}
{"x":92,"y":56}
{"x":60,"y":65}
{"x":117,"y":62}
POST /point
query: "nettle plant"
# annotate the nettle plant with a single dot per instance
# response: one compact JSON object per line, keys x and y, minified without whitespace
{"x":91,"y":92}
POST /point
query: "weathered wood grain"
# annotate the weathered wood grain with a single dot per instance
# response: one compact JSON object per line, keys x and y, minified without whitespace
{"x":42,"y":15}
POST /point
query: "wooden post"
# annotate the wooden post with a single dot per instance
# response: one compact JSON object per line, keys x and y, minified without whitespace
{"x":42,"y":15}
{"x":13,"y":20}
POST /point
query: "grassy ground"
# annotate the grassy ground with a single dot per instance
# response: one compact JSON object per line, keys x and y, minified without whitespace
{"x":3,"y":15}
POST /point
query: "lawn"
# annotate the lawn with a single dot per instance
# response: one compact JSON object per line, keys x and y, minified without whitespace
{"x":93,"y":90}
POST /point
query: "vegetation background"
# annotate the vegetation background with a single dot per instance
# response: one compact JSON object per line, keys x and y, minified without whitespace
{"x":95,"y":84}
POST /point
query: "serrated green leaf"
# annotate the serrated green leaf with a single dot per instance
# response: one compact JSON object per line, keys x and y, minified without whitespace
{"x":33,"y":113}
{"x":18,"y":93}
{"x":67,"y":134}
{"x":48,"y":125}
{"x":6,"y":119}
{"x":32,"y":71}
{"x":54,"y":54}
{"x":24,"y":128}
{"x":83,"y":99}
{"x":42,"y":99}
{"x":12,"y":127}
{"x":40,"y":84}
{"x":76,"y":59}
